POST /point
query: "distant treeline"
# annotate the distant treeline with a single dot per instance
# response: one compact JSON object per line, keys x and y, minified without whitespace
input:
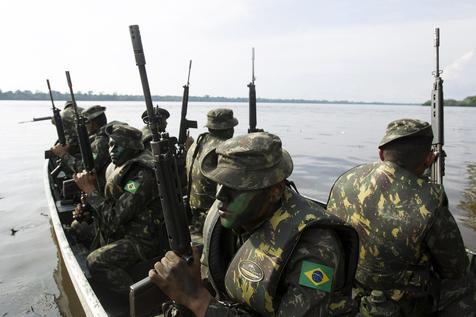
{"x":466,"y":102}
{"x":90,"y":96}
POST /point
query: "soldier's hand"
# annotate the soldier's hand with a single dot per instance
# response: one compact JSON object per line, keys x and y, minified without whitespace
{"x":77,"y":212}
{"x":60,"y":150}
{"x":181,"y":282}
{"x":86,"y":181}
{"x":188,"y":141}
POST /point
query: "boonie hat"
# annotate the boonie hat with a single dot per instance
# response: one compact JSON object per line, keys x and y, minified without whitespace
{"x":402,"y":128}
{"x":221,"y":119}
{"x":125,"y":135}
{"x":160,"y":112}
{"x":248,"y":162}
{"x":93,"y":112}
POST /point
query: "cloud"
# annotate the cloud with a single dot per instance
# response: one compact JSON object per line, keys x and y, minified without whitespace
{"x":457,"y":68}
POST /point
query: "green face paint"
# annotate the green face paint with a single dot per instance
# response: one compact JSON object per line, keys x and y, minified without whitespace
{"x":117,"y":153}
{"x":239,"y":207}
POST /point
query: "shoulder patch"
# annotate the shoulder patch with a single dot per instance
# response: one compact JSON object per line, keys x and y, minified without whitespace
{"x":131,"y":186}
{"x":317,"y":276}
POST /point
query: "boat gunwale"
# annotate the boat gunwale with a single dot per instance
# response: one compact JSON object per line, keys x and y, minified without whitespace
{"x":89,"y":301}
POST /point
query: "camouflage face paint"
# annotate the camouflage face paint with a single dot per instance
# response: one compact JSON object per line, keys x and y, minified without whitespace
{"x":118,"y":153}
{"x":239,"y":207}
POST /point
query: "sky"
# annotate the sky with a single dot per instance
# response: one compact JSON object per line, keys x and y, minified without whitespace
{"x":375,"y":50}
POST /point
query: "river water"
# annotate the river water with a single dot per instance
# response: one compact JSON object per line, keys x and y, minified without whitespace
{"x":324,"y":141}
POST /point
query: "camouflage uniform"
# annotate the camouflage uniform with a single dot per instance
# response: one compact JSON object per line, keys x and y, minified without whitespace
{"x":130,"y":210}
{"x":72,"y":159}
{"x":201,"y":190}
{"x":295,"y":263}
{"x":406,"y":231}
{"x":99,"y":146}
{"x":146,"y":134}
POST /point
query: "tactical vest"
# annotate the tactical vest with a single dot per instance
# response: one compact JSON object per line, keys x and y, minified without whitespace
{"x":391,"y":209}
{"x":254,"y":273}
{"x":201,"y":190}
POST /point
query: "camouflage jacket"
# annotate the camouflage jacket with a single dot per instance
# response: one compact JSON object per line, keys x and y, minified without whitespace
{"x":100,"y":150}
{"x":130,"y":207}
{"x":294,"y":264}
{"x":202,"y":190}
{"x":404,"y":226}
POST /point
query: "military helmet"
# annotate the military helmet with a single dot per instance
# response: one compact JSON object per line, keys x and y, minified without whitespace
{"x":93,"y":112}
{"x":159,"y":112}
{"x":221,"y":119}
{"x":403,"y":128}
{"x":125,"y":135}
{"x":248,"y":162}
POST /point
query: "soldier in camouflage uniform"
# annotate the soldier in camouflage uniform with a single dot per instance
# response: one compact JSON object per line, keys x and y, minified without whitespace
{"x":410,"y":245}
{"x":201,"y":190}
{"x":268,"y":250}
{"x":130,"y":212}
{"x":96,"y":122}
{"x":163,"y":115}
{"x":69,"y":153}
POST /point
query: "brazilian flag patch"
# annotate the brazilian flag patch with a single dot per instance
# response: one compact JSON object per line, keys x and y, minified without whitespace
{"x":131,"y":186}
{"x":316,"y":276}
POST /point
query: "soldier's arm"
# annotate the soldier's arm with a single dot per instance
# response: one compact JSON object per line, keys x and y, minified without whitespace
{"x":446,"y":244}
{"x":306,"y":294}
{"x":139,"y":188}
{"x":73,"y":162}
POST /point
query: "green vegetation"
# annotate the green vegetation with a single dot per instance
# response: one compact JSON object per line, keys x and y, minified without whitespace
{"x":466,"y":102}
{"x":90,"y":96}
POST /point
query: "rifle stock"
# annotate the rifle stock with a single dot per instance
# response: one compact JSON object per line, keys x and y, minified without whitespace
{"x":437,"y":118}
{"x":166,"y":173}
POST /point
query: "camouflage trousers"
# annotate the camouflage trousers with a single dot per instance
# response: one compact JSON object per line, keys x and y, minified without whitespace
{"x":108,"y":265}
{"x":458,"y":298}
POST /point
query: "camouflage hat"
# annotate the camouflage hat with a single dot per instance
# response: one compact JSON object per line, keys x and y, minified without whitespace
{"x":160,"y":112}
{"x":404,"y":128}
{"x":221,"y":119}
{"x":93,"y":112}
{"x":68,"y":117}
{"x":248,"y":162}
{"x":68,"y":104}
{"x":126,"y":136}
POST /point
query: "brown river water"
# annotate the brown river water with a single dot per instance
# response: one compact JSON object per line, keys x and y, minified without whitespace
{"x":324,"y":141}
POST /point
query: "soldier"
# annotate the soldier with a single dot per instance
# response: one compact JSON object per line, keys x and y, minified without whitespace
{"x":96,"y":122}
{"x":293,"y":259}
{"x":69,"y":153}
{"x":162,"y":115}
{"x":201,"y":190}
{"x":130,"y":212}
{"x":411,"y":250}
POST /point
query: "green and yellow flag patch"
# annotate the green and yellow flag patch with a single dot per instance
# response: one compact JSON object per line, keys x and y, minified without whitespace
{"x":131,"y":186}
{"x":316,"y":276}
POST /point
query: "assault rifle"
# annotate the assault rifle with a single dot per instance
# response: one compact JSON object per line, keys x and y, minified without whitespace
{"x":437,"y":118}
{"x":56,"y":118}
{"x":59,"y":131}
{"x":185,"y":124}
{"x":163,"y":149}
{"x":70,"y":186}
{"x":252,"y":96}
